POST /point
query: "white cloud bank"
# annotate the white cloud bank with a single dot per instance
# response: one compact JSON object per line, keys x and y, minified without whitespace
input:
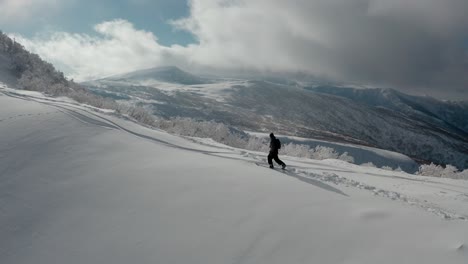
{"x":415,"y":44}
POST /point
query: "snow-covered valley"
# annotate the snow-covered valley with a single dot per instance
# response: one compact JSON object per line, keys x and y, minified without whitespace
{"x":81,"y":186}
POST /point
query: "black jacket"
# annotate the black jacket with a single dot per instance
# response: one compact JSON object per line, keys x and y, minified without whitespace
{"x":274,"y":145}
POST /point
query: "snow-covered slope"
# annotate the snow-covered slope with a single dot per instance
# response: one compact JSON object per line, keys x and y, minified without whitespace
{"x":77,"y":186}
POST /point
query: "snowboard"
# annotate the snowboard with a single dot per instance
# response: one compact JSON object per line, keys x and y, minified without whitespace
{"x":268,"y":166}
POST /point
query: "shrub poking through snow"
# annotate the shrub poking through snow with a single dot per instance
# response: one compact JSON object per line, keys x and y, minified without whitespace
{"x":368,"y":164}
{"x":433,"y":170}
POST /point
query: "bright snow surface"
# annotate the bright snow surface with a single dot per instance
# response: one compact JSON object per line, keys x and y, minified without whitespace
{"x":78,"y":186}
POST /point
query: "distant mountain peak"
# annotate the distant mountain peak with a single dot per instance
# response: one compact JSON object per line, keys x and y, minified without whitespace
{"x":162,"y":68}
{"x":170,"y":74}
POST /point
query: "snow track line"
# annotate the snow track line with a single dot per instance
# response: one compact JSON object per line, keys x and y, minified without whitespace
{"x":396,"y":196}
{"x":318,"y":183}
{"x":302,"y":174}
{"x":85,"y":119}
{"x":118,"y":127}
{"x":106,"y":123}
{"x":427,"y":182}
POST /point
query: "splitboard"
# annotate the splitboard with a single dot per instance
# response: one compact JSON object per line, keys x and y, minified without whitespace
{"x":268,"y":166}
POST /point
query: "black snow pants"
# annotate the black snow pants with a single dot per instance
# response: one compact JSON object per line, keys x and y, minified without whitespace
{"x":274,"y":156}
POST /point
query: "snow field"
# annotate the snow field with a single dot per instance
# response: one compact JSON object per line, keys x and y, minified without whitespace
{"x":78,"y":186}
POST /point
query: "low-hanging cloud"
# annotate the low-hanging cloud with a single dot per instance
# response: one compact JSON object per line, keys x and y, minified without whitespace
{"x":415,"y":45}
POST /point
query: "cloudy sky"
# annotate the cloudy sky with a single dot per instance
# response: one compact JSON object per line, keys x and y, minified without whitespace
{"x":418,"y":46}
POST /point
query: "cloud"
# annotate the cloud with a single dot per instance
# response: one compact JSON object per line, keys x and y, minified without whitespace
{"x":21,"y":10}
{"x":117,"y":48}
{"x":415,"y":45}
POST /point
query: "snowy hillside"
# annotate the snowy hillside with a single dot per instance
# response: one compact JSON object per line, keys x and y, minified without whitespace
{"x":264,"y":106}
{"x":80,"y":186}
{"x":451,"y":115}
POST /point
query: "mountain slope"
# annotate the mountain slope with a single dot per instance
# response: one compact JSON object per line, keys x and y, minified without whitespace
{"x":81,"y":187}
{"x":452,"y":115}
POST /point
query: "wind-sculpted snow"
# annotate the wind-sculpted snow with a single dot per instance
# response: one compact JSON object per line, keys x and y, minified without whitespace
{"x":80,"y":186}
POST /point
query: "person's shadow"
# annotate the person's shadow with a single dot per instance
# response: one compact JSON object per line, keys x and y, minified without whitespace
{"x":314,"y":182}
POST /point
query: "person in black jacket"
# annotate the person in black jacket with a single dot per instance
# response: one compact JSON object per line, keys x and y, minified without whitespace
{"x":275,"y":145}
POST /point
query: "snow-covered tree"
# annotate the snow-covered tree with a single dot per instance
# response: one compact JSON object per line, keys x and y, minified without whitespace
{"x":321,"y":152}
{"x":434,"y":170}
{"x":368,"y":164}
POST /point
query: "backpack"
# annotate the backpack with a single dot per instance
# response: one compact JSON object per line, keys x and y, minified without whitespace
{"x":278,"y":144}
